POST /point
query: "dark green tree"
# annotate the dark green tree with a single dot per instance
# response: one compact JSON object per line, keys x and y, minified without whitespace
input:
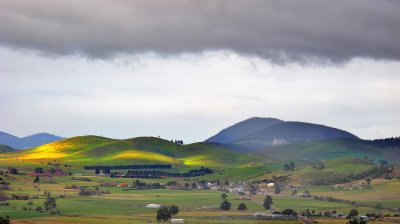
{"x":174,"y":210}
{"x":36,"y":180}
{"x":268,"y":202}
{"x":5,"y":220}
{"x":289,"y":211}
{"x":291,"y":166}
{"x":277,"y":188}
{"x":353,"y":213}
{"x":242,"y":206}
{"x":286,"y":167}
{"x":163,"y":214}
{"x":253,"y":189}
{"x":50,"y":203}
{"x":224,"y":196}
{"x":368,"y":180}
{"x":39,"y":209}
{"x":225,"y":205}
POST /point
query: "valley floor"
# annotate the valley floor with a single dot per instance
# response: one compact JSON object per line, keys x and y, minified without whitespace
{"x":196,"y":206}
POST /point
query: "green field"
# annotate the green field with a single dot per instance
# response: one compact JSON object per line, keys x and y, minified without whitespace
{"x":197,"y":206}
{"x":384,"y":192}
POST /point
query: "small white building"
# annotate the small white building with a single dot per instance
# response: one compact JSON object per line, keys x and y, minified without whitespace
{"x":177,"y":221}
{"x":153,"y":206}
{"x":363,"y":218}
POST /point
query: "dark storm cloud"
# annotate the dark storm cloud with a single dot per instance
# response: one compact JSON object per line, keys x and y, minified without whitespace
{"x":290,"y":30}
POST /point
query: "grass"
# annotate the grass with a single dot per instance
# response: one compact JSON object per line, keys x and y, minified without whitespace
{"x":384,"y":192}
{"x":120,"y":206}
{"x":334,"y":170}
{"x":332,"y":149}
{"x":341,"y":221}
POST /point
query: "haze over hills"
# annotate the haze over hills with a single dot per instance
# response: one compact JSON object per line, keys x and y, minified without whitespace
{"x":257,"y":133}
{"x":28,"y":141}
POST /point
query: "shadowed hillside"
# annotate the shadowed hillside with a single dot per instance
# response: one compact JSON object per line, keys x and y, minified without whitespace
{"x":331,"y":149}
{"x":6,"y":148}
{"x":242,"y":129}
{"x":257,"y":133}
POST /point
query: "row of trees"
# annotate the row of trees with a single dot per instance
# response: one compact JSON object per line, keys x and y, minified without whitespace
{"x":179,"y":142}
{"x":130,"y":167}
{"x":387,"y":142}
{"x":226,"y":205}
{"x":159,"y":173}
{"x":288,"y":167}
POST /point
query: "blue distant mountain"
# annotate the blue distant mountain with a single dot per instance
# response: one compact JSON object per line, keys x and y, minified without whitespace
{"x":256,"y":133}
{"x":28,"y":141}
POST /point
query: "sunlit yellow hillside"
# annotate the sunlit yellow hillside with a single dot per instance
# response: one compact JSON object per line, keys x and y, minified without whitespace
{"x":93,"y":150}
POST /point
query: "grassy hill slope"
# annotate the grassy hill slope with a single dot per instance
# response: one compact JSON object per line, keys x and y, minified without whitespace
{"x":331,"y":149}
{"x":95,"y":150}
{"x":335,"y":171}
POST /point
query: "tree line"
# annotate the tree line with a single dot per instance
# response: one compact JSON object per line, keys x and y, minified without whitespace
{"x":127,"y":167}
{"x":158,"y":173}
{"x":387,"y":142}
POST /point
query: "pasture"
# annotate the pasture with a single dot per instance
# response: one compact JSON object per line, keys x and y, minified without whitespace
{"x":120,"y":206}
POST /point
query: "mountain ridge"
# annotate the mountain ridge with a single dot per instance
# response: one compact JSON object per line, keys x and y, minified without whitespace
{"x":26,"y":142}
{"x":236,"y":131}
{"x":272,"y":131}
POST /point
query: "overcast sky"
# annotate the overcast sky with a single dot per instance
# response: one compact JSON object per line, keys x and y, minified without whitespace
{"x":187,"y":69}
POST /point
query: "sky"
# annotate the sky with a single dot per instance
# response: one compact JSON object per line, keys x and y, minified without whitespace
{"x":187,"y":69}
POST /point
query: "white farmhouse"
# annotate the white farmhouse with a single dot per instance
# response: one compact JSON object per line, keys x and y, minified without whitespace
{"x":153,"y":206}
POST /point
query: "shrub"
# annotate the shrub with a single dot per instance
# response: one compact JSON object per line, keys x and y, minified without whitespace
{"x":242,"y":206}
{"x":54,"y":211}
{"x":39,"y":209}
{"x":353,"y":213}
{"x":50,"y":204}
{"x":163,"y":214}
{"x":225,"y":205}
{"x":289,"y":211}
{"x":174,"y":210}
{"x":5,"y":220}
{"x":88,"y":192}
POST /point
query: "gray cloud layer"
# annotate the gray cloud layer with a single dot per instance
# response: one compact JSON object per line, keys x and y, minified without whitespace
{"x":293,"y":30}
